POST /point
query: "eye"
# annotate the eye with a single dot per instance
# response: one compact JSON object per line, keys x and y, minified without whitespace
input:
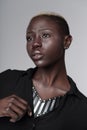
{"x":29,"y":38}
{"x":46,"y":35}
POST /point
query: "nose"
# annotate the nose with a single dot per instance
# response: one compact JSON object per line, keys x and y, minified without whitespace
{"x":37,"y":42}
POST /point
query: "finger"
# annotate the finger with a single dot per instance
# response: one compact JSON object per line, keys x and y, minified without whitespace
{"x":5,"y":113}
{"x":29,"y":111}
{"x":19,"y":104}
{"x":8,"y":101}
{"x":19,"y":99}
{"x":12,"y":114}
{"x":8,"y":113}
{"x":16,"y":119}
{"x":17,"y":109}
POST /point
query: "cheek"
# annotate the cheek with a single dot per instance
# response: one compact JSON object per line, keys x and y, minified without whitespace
{"x":54,"y":50}
{"x":54,"y":47}
{"x":28,"y":48}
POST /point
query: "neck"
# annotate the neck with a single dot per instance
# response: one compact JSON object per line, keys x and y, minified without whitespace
{"x":51,"y":76}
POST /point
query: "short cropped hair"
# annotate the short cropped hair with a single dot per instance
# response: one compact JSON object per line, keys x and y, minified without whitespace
{"x":58,"y":19}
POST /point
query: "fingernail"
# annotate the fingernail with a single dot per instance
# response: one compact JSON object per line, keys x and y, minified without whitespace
{"x":9,"y":104}
{"x":30,"y":113}
{"x":12,"y":99}
{"x":12,"y":120}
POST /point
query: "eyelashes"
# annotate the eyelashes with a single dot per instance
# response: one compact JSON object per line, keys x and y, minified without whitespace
{"x":46,"y":35}
{"x":42,"y":36}
{"x":29,"y":38}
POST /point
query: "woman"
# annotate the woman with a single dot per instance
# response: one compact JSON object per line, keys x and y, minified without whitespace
{"x":44,"y":97}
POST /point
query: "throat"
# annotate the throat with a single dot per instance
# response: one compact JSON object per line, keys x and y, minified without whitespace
{"x":56,"y":90}
{"x":52,"y":83}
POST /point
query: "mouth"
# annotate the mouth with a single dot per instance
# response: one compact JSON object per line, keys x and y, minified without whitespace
{"x":37,"y":55}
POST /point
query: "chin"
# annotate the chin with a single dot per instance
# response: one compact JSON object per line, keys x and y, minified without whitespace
{"x":40,"y":64}
{"x":43,"y":65}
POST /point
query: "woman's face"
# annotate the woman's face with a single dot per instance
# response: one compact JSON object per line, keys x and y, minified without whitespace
{"x":44,"y":42}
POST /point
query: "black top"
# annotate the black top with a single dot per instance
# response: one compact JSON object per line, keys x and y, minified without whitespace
{"x":71,"y":113}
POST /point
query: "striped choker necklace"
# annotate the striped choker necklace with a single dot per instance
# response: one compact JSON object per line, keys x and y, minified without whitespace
{"x":42,"y":107}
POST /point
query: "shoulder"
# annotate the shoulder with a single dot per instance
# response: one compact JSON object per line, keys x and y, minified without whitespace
{"x":81,"y":106}
{"x":9,"y":77}
{"x":13,"y":80}
{"x":10,"y":74}
{"x":10,"y":71}
{"x":15,"y":74}
{"x":81,"y":98}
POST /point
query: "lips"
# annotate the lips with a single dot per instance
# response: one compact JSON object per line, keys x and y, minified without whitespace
{"x":37,"y":55}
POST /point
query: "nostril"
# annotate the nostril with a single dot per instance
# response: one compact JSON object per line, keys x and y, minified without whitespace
{"x":37,"y":43}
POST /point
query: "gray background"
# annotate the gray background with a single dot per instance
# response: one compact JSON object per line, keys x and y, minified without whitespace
{"x":14,"y":18}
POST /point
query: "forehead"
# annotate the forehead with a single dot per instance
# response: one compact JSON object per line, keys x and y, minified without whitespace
{"x":42,"y":22}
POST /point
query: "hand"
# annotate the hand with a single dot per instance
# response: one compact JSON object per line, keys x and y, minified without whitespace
{"x":13,"y":107}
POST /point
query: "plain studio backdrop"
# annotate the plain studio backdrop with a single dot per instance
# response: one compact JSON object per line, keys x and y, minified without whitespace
{"x":14,"y":18}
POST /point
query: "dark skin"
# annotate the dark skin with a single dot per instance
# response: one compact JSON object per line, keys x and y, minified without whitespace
{"x":46,"y":46}
{"x":14,"y":107}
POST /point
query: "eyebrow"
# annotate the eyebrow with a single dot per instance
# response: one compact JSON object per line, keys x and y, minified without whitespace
{"x":45,"y":29}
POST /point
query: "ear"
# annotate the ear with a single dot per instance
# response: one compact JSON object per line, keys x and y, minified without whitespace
{"x":67,"y":41}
